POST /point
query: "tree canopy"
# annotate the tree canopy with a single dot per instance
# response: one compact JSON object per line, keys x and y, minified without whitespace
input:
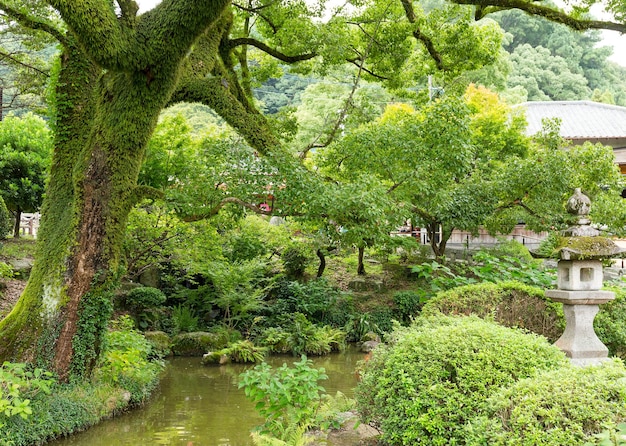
{"x":118,"y":69}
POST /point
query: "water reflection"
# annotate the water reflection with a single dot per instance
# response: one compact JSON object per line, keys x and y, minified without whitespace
{"x":201,"y":406}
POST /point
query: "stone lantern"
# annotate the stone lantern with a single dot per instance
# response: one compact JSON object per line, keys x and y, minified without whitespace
{"x":579,"y":281}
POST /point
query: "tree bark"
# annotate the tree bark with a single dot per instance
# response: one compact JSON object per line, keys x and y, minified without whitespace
{"x":18,"y":221}
{"x":322,"y":266}
{"x":106,"y":110}
{"x":360,"y":270}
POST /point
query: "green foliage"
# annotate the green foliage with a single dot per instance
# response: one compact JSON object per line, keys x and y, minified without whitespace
{"x":437,"y":375}
{"x":484,"y":267}
{"x":244,"y":351}
{"x":25,"y":146}
{"x":609,"y":323}
{"x":511,"y":304}
{"x":5,"y":220}
{"x":184,"y":319}
{"x":566,"y":406}
{"x":285,"y":396}
{"x":125,"y":362}
{"x":6,"y":271}
{"x":408,"y":304}
{"x":317,"y":299}
{"x":295,"y":261}
{"x":18,"y":386}
{"x":145,"y":297}
{"x":300,"y":336}
{"x":612,"y":437}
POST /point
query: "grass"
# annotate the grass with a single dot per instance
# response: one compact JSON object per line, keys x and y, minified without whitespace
{"x":21,"y":248}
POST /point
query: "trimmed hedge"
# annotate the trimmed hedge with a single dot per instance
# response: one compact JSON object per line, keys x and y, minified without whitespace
{"x":437,"y":375}
{"x":511,"y":304}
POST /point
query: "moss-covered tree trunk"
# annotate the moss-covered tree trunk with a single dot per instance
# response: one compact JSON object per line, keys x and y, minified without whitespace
{"x":115,"y":76}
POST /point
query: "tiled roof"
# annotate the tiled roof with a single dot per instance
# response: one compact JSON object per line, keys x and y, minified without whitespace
{"x":579,"y":119}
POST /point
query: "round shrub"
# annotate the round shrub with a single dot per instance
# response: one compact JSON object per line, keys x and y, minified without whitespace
{"x":145,"y":297}
{"x":560,"y":407}
{"x":5,"y":220}
{"x":511,"y":304}
{"x":295,"y":261}
{"x":408,"y":304}
{"x":437,"y":375}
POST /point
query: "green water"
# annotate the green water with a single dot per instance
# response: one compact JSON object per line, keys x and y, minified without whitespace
{"x":201,"y":406}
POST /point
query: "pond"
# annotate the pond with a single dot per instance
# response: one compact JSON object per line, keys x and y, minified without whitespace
{"x":196,"y":405}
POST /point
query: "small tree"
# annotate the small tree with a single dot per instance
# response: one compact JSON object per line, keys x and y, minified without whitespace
{"x":5,"y":220}
{"x":25,"y":147}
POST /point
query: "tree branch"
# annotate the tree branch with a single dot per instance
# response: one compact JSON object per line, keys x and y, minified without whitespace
{"x":34,"y":23}
{"x":228,"y":200}
{"x":267,"y":49}
{"x":420,"y":37}
{"x":25,"y":65}
{"x":551,"y":14}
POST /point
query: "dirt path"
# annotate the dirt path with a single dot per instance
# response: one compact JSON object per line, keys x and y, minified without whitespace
{"x":9,"y":295}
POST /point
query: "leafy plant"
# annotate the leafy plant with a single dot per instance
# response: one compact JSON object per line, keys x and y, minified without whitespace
{"x":244,"y":351}
{"x":125,"y":361}
{"x":18,"y":385}
{"x":295,"y":261}
{"x":5,"y":220}
{"x":437,"y":374}
{"x":511,"y":304}
{"x":612,"y":437}
{"x":569,"y":405}
{"x":285,"y":396}
{"x":184,"y":319}
{"x":6,"y":271}
{"x":408,"y":304}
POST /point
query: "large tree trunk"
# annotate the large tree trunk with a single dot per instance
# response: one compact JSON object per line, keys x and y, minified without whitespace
{"x":104,"y":118}
{"x":438,"y":240}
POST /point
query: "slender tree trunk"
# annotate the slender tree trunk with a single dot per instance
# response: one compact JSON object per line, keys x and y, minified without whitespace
{"x":361,"y":267}
{"x":18,"y":220}
{"x":322,"y":267}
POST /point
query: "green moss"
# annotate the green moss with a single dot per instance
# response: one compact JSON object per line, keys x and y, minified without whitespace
{"x":197,"y":343}
{"x":583,"y":248}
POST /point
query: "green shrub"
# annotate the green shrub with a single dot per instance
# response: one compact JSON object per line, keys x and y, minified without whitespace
{"x":437,"y":375}
{"x":295,"y":261}
{"x":560,"y":407}
{"x":125,"y":363}
{"x":511,"y":304}
{"x":6,"y":271}
{"x":145,"y":297}
{"x":184,"y":319}
{"x":6,"y":223}
{"x":69,"y":408}
{"x":317,"y":299}
{"x":609,"y":323}
{"x":285,"y":396}
{"x":300,"y":336}
{"x":408,"y":304}
{"x":159,"y":343}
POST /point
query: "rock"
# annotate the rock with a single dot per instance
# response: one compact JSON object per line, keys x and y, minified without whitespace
{"x":368,"y":346}
{"x":366,"y":285}
{"x":197,"y":343}
{"x":21,"y":267}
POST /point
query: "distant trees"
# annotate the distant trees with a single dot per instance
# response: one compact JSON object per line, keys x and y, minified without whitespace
{"x":25,"y":149}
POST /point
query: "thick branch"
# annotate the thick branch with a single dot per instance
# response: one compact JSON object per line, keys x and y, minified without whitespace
{"x":549,"y":13}
{"x":269,"y":50}
{"x":215,"y":93}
